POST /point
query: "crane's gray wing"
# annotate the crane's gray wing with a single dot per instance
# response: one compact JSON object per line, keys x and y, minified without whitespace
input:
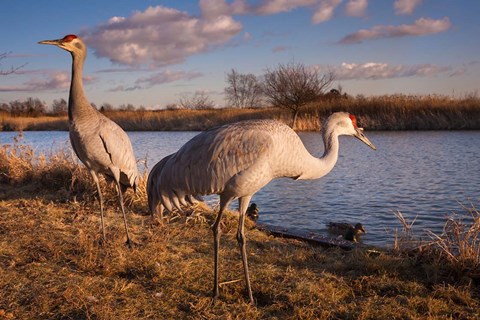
{"x":119,"y":148}
{"x":205,"y":164}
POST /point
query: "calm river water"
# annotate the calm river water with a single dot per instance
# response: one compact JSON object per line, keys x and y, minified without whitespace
{"x":425,"y":174}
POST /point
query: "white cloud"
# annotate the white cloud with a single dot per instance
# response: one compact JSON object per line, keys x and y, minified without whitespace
{"x":161,"y":36}
{"x":324,"y":11}
{"x":422,"y":26}
{"x":376,"y":70}
{"x":356,"y":8}
{"x":406,"y":6}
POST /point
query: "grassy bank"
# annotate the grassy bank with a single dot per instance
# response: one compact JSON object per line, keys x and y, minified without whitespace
{"x":375,"y":113}
{"x":53,"y":267}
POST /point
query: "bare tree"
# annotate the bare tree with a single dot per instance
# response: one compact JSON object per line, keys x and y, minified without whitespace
{"x":243,"y":90}
{"x":292,"y":86}
{"x":12,"y":69}
{"x":59,"y":107}
{"x":32,"y":107}
{"x":199,"y":100}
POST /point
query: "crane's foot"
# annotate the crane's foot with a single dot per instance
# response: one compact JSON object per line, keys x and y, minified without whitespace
{"x":130,"y":244}
{"x":102,"y":242}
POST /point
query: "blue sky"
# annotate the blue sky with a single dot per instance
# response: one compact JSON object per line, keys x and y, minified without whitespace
{"x":152,"y":53}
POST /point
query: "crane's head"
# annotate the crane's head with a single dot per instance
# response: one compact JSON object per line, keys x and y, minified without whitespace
{"x":346,"y":124}
{"x":70,"y":42}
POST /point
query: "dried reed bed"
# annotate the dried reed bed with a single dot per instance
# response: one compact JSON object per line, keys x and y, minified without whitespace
{"x":187,"y":120}
{"x":52,"y":265}
{"x":402,"y":112}
{"x":393,"y":112}
{"x":44,"y":123}
{"x":455,"y":252}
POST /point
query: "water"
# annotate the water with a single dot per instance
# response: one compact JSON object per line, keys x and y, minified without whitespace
{"x":423,"y":174}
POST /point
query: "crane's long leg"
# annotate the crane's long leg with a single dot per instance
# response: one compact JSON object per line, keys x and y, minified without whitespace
{"x":120,"y":199}
{"x":217,"y":231}
{"x":242,"y":242}
{"x":100,"y":199}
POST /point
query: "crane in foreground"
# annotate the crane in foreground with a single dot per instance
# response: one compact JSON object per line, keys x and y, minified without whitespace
{"x":101,"y":145}
{"x":235,"y":161}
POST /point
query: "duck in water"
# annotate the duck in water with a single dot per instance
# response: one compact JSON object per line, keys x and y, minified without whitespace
{"x":348,"y":231}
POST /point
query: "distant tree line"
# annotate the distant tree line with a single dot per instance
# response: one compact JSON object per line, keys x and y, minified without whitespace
{"x":291,"y":86}
{"x":34,"y":107}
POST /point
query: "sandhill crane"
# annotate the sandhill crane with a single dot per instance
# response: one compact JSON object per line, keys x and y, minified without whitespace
{"x":101,"y":145}
{"x":236,"y":160}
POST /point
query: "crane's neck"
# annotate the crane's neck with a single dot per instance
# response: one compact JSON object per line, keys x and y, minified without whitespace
{"x":315,"y":168}
{"x":78,"y":105}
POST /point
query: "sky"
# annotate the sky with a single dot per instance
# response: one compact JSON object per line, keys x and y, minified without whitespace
{"x":154,"y":53}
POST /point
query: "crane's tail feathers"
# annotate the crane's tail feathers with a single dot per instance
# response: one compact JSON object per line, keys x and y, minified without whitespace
{"x":166,"y":203}
{"x":176,"y":203}
{"x":190,"y":199}
{"x":183,"y":202}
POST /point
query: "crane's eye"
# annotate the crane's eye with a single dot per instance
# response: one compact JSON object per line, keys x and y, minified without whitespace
{"x":78,"y":45}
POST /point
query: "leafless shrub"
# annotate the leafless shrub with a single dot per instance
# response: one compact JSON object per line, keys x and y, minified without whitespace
{"x":293,"y":86}
{"x":198,"y":101}
{"x":243,"y":90}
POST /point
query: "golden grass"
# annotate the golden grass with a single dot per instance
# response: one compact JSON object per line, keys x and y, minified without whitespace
{"x":456,"y":251}
{"x":10,"y":123}
{"x":52,"y":265}
{"x":393,"y":112}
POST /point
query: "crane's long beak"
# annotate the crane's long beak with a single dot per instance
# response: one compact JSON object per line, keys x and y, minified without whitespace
{"x":54,"y":42}
{"x":360,"y":136}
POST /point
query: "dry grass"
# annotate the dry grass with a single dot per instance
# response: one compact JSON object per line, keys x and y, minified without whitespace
{"x":453,"y":253}
{"x":52,"y":265}
{"x":9,"y":123}
{"x":394,"y":112}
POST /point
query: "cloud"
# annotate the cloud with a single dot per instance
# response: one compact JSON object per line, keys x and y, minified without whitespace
{"x":167,"y":76}
{"x":269,"y":7}
{"x":161,"y":36}
{"x":405,"y":6}
{"x":324,"y":11}
{"x":115,"y":70}
{"x":376,"y":70}
{"x":422,"y":26}
{"x":161,"y":77}
{"x":356,"y":8}
{"x":280,"y":49}
{"x":53,"y":81}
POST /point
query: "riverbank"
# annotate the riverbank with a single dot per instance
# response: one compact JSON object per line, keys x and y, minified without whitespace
{"x":52,"y":265}
{"x":374,"y":113}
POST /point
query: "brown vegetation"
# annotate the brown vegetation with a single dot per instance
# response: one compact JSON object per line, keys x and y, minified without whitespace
{"x":52,"y":265}
{"x":397,"y":112}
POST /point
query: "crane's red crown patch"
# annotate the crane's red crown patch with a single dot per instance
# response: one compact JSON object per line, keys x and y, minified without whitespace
{"x":69,"y":38}
{"x":354,"y":120}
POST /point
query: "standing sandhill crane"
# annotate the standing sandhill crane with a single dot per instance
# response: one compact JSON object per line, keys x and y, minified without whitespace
{"x":236,"y":160}
{"x":99,"y":143}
